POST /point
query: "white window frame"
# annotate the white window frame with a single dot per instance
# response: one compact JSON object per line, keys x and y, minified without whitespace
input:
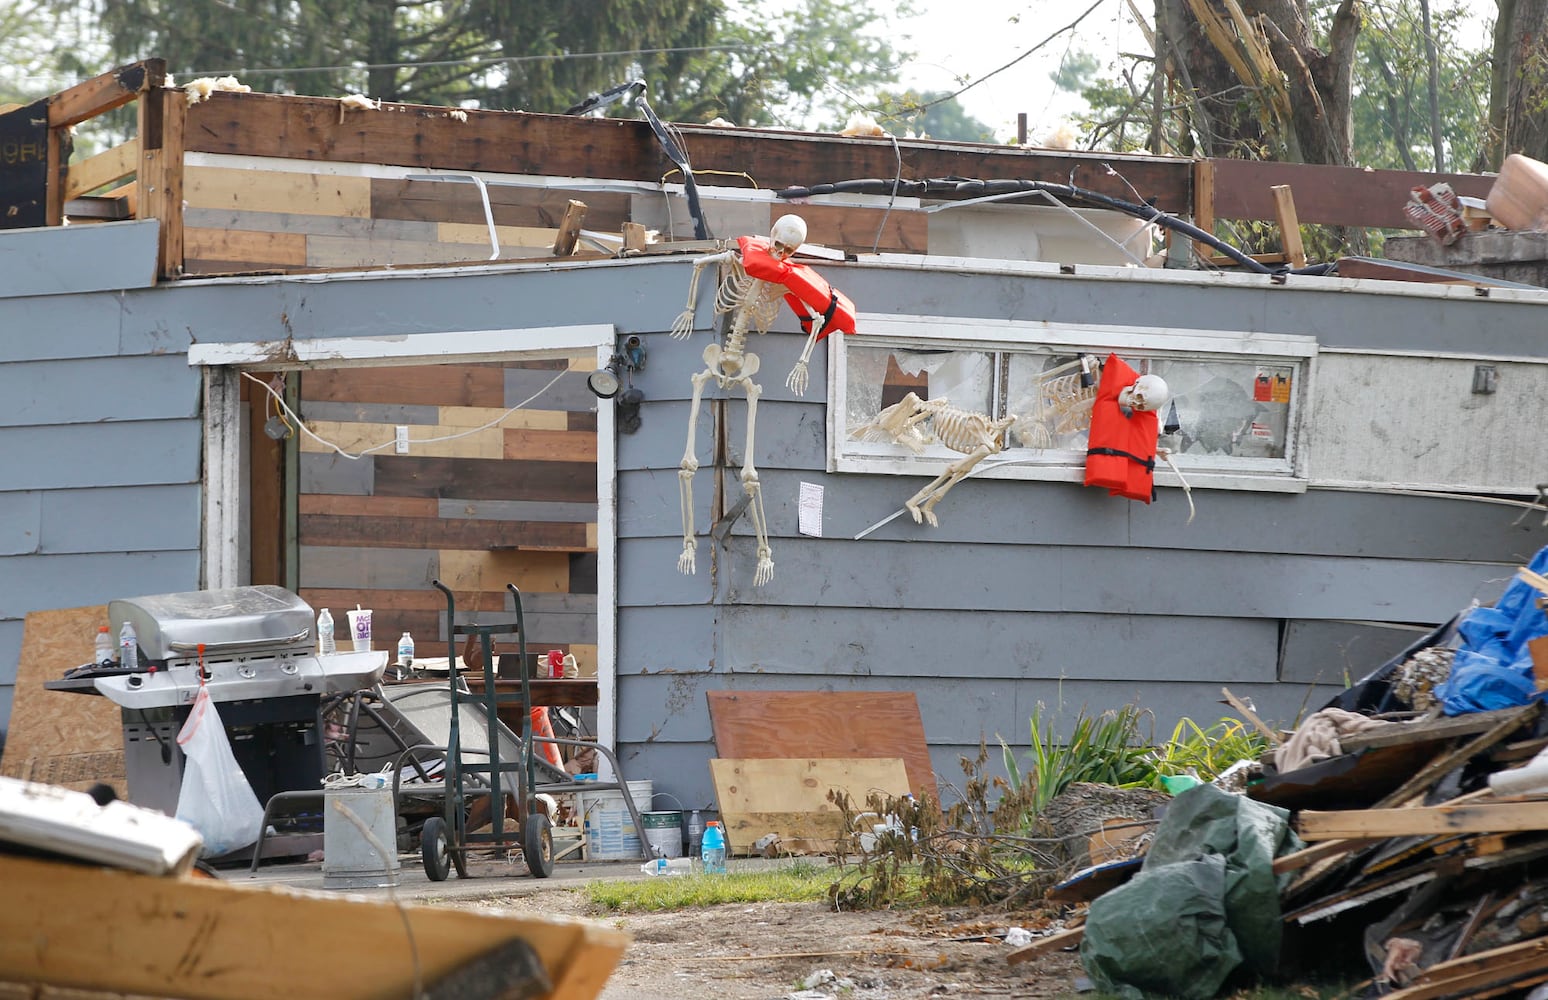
{"x":1286,"y":475}
{"x":223,"y":364}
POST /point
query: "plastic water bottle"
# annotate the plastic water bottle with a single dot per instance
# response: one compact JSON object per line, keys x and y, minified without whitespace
{"x":128,"y":647}
{"x":714,"y":849}
{"x":406,"y":650}
{"x":325,"y":644}
{"x":667,"y":866}
{"x":695,"y":833}
{"x":106,"y":650}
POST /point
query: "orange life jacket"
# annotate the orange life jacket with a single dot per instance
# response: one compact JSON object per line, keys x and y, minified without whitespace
{"x":807,"y":289}
{"x":1122,"y":450}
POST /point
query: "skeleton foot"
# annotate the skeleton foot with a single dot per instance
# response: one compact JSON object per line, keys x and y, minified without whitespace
{"x":929,"y":516}
{"x":913,"y":509}
{"x":796,"y":381}
{"x":765,"y":570}
{"x":685,"y":561}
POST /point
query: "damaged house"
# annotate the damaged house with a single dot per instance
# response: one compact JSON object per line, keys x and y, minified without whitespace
{"x":429,"y":291}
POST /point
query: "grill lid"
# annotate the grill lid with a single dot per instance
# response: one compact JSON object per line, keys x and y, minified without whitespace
{"x":263,"y":619}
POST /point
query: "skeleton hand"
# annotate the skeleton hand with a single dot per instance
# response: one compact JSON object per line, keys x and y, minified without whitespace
{"x":796,"y":380}
{"x":682,"y":326}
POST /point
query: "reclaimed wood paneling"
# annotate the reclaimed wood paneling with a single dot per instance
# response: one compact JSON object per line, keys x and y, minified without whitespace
{"x":550,"y":446}
{"x":859,"y":229}
{"x":485,"y":479}
{"x":209,"y":246}
{"x":565,"y":146}
{"x":278,"y":190}
{"x":438,"y":533}
{"x":1343,"y":196}
{"x":435,"y":385}
{"x":459,"y":202}
{"x":452,"y":510}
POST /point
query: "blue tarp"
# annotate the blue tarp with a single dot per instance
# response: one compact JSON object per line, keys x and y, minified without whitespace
{"x":1493,"y":665}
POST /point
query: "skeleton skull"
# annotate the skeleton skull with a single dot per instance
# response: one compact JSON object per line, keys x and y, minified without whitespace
{"x":1147,"y":394}
{"x":788,"y":234}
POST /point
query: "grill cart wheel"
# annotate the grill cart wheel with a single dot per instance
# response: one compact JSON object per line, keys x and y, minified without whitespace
{"x":433,"y":848}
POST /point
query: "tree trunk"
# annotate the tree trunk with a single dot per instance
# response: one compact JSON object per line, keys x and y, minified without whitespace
{"x":1518,"y":115}
{"x":1314,"y":125}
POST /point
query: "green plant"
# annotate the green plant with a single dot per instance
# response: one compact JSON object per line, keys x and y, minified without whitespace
{"x":1205,"y":753}
{"x":1106,"y":749}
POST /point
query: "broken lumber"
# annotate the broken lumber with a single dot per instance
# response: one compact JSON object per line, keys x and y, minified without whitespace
{"x":1476,"y":817}
{"x":569,"y":228}
{"x":1054,"y":942}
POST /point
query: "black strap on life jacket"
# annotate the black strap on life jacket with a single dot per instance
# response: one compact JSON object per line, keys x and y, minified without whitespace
{"x":806,"y":318}
{"x":1148,"y":463}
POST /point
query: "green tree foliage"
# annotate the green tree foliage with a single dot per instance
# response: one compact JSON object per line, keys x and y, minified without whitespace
{"x":42,"y":50}
{"x":810,"y":64}
{"x":701,"y":58}
{"x":1391,"y":105}
{"x":526,"y":54}
{"x":932,"y":114}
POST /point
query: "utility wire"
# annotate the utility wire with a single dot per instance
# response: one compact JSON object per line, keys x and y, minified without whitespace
{"x":473,"y":60}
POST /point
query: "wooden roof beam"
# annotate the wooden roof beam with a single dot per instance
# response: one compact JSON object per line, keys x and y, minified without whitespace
{"x":112,"y":89}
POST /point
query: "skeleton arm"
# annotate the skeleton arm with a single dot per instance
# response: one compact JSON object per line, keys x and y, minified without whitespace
{"x":683,"y":325}
{"x":796,"y":380}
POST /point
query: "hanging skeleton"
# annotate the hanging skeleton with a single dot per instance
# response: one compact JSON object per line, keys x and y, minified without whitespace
{"x":754,"y":277}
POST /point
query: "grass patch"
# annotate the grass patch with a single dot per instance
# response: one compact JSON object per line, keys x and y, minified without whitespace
{"x":800,"y":883}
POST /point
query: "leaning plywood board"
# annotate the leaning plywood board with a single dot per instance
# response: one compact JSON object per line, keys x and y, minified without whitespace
{"x":825,"y":724}
{"x":173,"y":937}
{"x":790,"y":796}
{"x":60,"y":737}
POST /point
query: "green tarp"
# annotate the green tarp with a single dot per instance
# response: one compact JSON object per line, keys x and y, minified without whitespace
{"x":1205,"y":902}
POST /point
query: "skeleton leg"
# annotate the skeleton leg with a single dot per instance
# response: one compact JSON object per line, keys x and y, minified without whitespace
{"x":765,"y":570}
{"x":796,"y":380}
{"x":938,"y":488}
{"x":690,"y":464}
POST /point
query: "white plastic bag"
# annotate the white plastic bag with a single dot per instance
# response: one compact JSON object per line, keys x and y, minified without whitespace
{"x":216,"y":798}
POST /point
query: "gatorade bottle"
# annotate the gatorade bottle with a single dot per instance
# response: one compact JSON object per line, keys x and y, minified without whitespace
{"x":714,"y":850}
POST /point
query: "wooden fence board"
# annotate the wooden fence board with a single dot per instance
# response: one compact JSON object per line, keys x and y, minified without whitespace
{"x":277,"y":191}
{"x":790,"y":796}
{"x":825,"y":725}
{"x":242,"y":246}
{"x":550,"y":446}
{"x":438,"y":533}
{"x":61,"y":737}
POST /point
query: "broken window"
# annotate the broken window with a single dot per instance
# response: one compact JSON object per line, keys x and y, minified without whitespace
{"x":1232,"y":420}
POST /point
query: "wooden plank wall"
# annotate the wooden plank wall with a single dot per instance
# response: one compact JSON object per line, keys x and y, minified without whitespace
{"x":241,"y":219}
{"x":510,"y":503}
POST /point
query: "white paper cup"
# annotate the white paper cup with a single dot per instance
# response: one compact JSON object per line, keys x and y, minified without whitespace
{"x":360,"y":629}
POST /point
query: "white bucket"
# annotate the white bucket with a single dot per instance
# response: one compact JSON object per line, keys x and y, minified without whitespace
{"x":664,"y":832}
{"x":610,"y":831}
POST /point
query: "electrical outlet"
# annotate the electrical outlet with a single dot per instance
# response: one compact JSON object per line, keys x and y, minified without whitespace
{"x":401,"y":444}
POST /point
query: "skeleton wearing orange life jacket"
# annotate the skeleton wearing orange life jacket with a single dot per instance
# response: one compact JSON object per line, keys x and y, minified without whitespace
{"x":810,"y":297}
{"x":1121,"y":455}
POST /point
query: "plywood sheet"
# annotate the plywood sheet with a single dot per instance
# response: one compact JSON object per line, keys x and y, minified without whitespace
{"x":790,"y":796}
{"x":60,"y":737}
{"x":824,"y":724}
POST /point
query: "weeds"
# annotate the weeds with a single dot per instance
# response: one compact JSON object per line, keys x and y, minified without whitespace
{"x":981,"y":852}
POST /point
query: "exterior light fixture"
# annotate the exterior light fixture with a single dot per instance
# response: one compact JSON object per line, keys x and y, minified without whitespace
{"x":609,"y":382}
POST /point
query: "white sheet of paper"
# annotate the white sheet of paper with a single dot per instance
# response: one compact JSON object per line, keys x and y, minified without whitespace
{"x":810,"y":509}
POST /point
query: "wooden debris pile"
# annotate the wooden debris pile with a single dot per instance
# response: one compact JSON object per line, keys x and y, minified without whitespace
{"x":1426,"y":858}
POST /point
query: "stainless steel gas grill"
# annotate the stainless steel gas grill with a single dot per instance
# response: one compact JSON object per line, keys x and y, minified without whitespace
{"x":256,"y":652}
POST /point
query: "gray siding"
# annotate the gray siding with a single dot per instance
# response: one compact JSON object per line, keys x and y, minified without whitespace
{"x":1028,"y":594}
